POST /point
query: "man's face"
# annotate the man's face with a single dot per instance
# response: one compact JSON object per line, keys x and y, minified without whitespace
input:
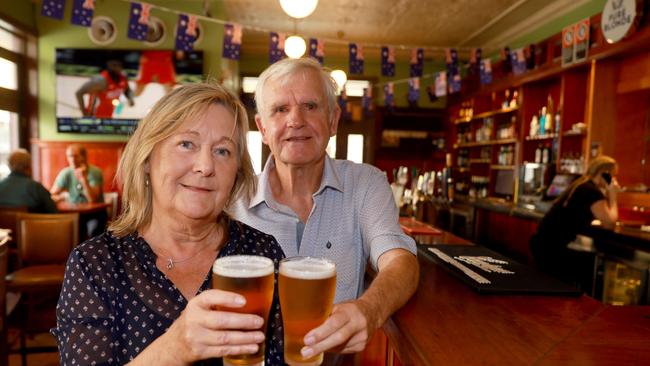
{"x":294,"y":119}
{"x":75,"y":157}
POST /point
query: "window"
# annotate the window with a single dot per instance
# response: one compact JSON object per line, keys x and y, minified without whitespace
{"x":254,"y":142}
{"x":355,"y":148}
{"x":331,"y":147}
{"x":354,"y":88}
{"x":249,"y":84}
{"x":8,"y":139}
{"x":8,"y":74}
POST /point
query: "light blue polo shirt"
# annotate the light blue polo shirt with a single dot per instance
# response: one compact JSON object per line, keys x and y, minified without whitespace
{"x":354,"y":218}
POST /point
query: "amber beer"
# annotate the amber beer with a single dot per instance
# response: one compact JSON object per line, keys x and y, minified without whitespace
{"x":307,"y":286}
{"x":252,"y":277}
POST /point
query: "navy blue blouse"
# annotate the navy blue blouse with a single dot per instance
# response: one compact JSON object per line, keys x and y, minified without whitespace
{"x":115,"y":301}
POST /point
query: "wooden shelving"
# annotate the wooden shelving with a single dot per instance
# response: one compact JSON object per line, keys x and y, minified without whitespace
{"x":486,"y":143}
{"x":574,"y":134}
{"x":502,"y":167}
{"x":484,"y":115}
{"x":549,"y":136}
{"x":480,"y":161}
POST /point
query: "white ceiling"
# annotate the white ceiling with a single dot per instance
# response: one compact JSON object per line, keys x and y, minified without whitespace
{"x":434,"y":24}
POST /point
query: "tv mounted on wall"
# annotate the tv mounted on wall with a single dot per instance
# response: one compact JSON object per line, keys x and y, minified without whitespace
{"x":109,"y":91}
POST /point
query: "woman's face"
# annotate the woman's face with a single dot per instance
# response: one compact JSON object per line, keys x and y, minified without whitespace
{"x":192,"y":172}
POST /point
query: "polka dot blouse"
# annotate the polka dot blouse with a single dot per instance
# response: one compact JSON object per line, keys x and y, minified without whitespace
{"x":115,"y":301}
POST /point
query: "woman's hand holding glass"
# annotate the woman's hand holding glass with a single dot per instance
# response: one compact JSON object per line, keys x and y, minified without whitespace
{"x":202,"y":332}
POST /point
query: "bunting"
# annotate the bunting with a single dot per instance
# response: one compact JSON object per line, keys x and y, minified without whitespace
{"x":317,"y":49}
{"x":232,"y":34}
{"x":417,"y":62}
{"x":186,"y":32}
{"x":453,"y":73}
{"x":518,"y":61}
{"x":388,"y":61}
{"x":356,"y":58}
{"x":475,"y":61}
{"x":53,"y":8}
{"x":389,"y":95}
{"x":486,"y":71}
{"x":366,"y":100}
{"x":276,"y":47}
{"x":414,"y":91}
{"x":441,"y":84}
{"x":82,"y":12}
{"x":138,"y":21}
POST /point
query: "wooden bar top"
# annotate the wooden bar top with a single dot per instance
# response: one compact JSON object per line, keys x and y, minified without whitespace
{"x":448,"y":323}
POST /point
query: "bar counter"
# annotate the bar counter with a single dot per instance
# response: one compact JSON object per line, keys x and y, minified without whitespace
{"x":448,"y":323}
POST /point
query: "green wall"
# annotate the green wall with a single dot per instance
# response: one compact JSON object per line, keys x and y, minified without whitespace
{"x":20,"y":11}
{"x":62,"y":34}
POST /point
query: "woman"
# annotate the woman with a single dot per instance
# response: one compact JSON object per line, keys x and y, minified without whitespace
{"x":592,"y":196}
{"x":140,"y":293}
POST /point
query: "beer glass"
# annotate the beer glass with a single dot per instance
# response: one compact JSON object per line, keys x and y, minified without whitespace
{"x":252,"y":277}
{"x":307,"y":286}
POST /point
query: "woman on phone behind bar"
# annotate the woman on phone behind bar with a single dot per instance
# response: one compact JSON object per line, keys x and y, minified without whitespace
{"x":140,"y":293}
{"x":591,"y":196}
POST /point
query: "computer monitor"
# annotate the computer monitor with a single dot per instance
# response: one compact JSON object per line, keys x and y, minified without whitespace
{"x":504,"y":182}
{"x":559,"y":184}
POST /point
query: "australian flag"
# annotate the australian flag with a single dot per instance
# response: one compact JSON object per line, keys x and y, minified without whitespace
{"x":186,"y":32}
{"x":317,"y":49}
{"x":486,"y":71}
{"x":53,"y":8}
{"x":387,"y":61}
{"x":356,"y":58}
{"x":232,"y":34}
{"x":506,"y":60}
{"x":139,"y":21}
{"x":366,"y":100}
{"x":417,"y":62}
{"x":414,"y":91}
{"x":475,"y":55}
{"x":518,"y":61}
{"x":389,"y":95}
{"x":441,"y":84}
{"x":276,"y":47}
{"x":453,"y":73}
{"x":82,"y":12}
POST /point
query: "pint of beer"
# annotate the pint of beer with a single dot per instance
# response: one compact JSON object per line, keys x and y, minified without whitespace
{"x":252,"y":277}
{"x":307,"y":286}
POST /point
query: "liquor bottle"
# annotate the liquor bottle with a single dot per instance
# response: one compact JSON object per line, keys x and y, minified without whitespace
{"x":538,"y":154}
{"x":542,"y":121}
{"x":545,"y":151}
{"x":557,"y":122}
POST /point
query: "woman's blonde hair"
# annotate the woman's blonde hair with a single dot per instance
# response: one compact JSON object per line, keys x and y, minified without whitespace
{"x":596,"y":167}
{"x":182,"y":104}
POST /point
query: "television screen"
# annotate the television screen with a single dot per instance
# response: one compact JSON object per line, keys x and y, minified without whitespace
{"x":108,"y":91}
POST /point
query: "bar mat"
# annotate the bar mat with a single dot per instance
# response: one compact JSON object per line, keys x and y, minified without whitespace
{"x":490,"y":273}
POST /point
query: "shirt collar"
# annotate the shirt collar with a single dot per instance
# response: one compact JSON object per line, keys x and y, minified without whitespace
{"x":263,"y":194}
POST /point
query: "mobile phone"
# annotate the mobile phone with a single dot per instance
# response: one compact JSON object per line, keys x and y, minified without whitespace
{"x":607,"y":177}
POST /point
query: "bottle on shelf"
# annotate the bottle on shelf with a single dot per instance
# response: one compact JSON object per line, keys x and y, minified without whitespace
{"x":538,"y":154}
{"x":534,"y":126}
{"x":545,"y":155}
{"x":514,"y":101}
{"x":542,"y":121}
{"x":506,"y":100}
{"x":557,"y":122}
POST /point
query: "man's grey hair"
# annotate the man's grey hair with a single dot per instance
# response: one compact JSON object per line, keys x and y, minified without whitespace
{"x":281,"y":70}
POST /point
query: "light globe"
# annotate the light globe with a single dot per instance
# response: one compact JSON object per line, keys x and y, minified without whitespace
{"x":295,"y":47}
{"x":298,"y":8}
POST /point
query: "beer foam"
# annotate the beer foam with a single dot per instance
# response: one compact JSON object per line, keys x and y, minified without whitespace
{"x":308,"y":268}
{"x":243,"y":266}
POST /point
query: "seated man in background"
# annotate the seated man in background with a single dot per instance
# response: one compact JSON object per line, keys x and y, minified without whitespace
{"x":81,"y":182}
{"x":19,"y":189}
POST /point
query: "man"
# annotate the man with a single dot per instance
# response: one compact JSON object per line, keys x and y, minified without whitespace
{"x":103,"y":90}
{"x":317,"y":206}
{"x":19,"y":189}
{"x":80,"y":181}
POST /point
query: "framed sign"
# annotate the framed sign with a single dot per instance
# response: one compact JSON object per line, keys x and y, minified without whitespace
{"x":581,"y":40}
{"x":620,"y":19}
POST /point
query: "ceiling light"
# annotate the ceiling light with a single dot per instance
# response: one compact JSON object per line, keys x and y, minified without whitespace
{"x":340,"y":77}
{"x":295,"y":47}
{"x":298,"y":8}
